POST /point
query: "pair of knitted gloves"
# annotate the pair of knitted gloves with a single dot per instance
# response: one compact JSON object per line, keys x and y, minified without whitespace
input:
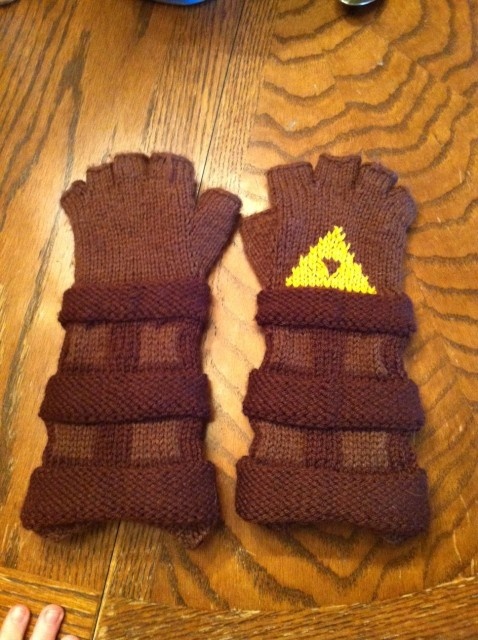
{"x":331,"y":406}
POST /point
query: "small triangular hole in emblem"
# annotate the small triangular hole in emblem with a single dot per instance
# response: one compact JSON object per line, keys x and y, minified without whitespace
{"x":331,"y":264}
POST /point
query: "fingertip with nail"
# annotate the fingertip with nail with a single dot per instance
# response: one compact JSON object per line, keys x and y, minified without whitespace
{"x":19,"y":613}
{"x":52,"y":614}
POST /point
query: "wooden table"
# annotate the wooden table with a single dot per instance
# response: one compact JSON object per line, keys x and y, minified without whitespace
{"x":239,"y":87}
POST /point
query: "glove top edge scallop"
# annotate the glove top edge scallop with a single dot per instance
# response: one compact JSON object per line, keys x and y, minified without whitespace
{"x":136,"y":219}
{"x":327,"y":226}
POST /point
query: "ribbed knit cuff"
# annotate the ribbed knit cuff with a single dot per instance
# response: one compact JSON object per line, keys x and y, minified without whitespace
{"x":349,"y":402}
{"x":171,"y":496}
{"x":393,"y":504}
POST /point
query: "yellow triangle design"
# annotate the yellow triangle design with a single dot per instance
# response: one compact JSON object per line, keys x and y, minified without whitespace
{"x":312,"y":270}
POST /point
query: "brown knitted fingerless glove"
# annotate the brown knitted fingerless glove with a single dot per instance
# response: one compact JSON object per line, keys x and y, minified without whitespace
{"x":125,"y":412}
{"x":331,"y":406}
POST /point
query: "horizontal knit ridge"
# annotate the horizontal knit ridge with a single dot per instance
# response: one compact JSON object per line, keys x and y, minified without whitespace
{"x":182,"y":492}
{"x":187,"y":299}
{"x":129,"y":397}
{"x":393,"y":503}
{"x":328,"y":308}
{"x":347,"y":402}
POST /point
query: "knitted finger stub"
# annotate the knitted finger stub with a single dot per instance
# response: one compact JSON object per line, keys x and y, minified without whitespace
{"x":126,"y":410}
{"x":331,"y":406}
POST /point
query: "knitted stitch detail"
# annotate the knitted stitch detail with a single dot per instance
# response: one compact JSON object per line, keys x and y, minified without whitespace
{"x":349,"y":402}
{"x":128,"y":397}
{"x":188,"y":299}
{"x":308,"y":307}
{"x":59,"y":497}
{"x":331,"y":405}
{"x":393,"y":504}
{"x":313,"y":271}
{"x":126,"y":411}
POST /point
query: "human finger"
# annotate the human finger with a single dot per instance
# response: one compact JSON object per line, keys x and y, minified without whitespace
{"x":15,"y":623}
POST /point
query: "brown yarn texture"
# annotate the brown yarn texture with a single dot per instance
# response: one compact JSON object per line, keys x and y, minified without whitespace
{"x":331,"y":406}
{"x":125,"y":412}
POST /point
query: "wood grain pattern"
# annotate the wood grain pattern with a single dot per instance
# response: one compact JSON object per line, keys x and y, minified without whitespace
{"x":447,"y":612}
{"x":81,"y":607}
{"x":239,"y":87}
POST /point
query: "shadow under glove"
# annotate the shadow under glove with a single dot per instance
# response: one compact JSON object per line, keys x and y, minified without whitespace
{"x":331,"y":406}
{"x":126,"y":411}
